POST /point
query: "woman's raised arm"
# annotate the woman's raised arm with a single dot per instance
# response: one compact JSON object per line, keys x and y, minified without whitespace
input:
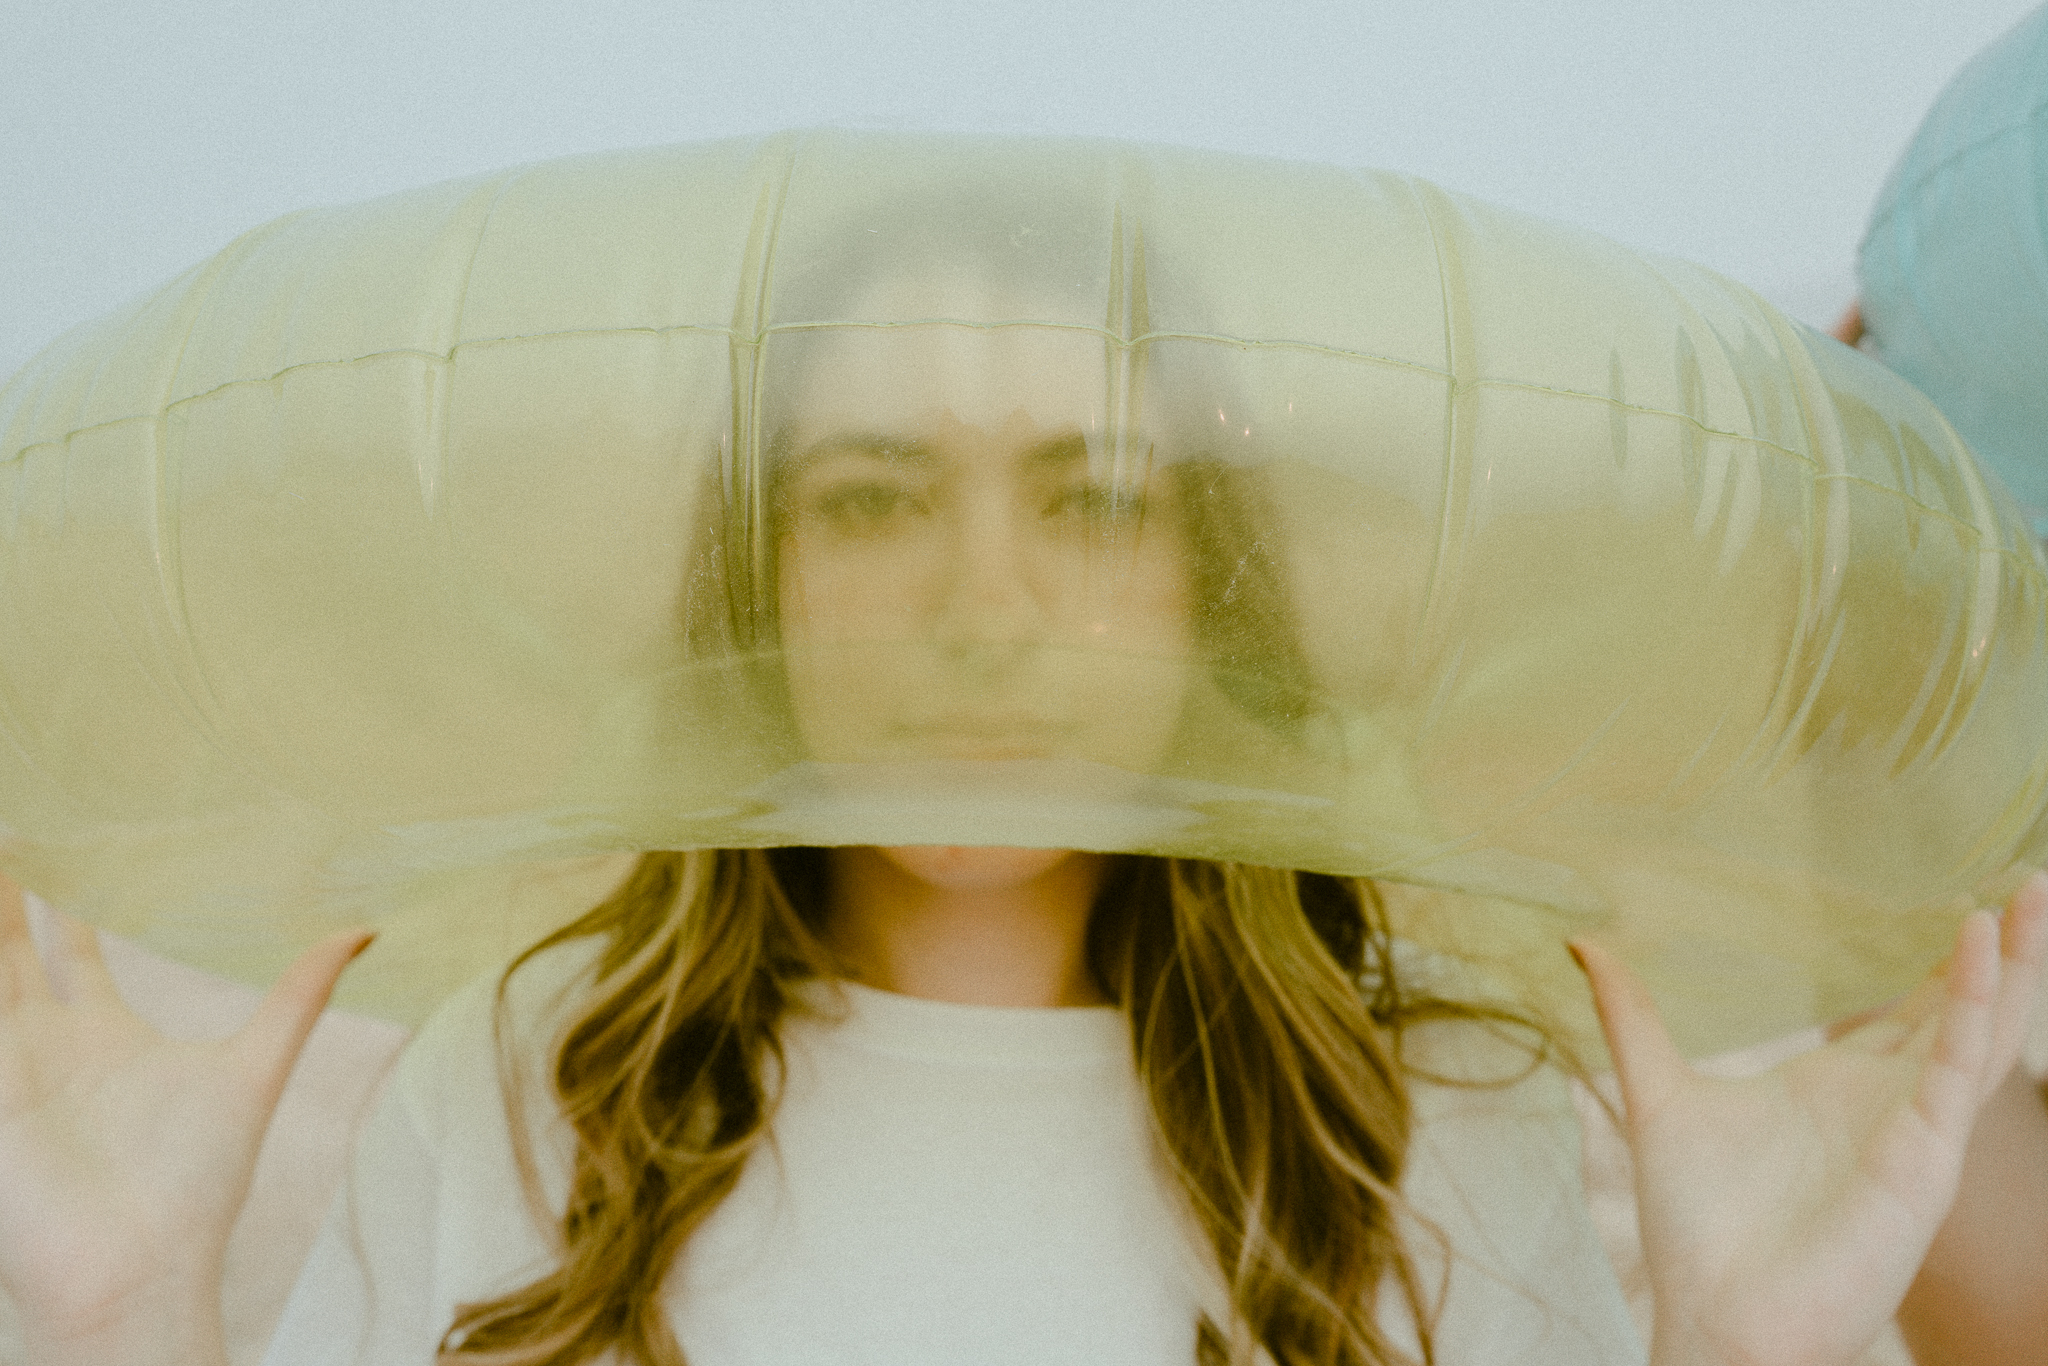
{"x":125,"y":1156}
{"x":1784,"y":1215}
{"x":1981,"y":1298}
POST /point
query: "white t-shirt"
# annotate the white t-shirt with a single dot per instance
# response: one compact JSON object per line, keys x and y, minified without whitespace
{"x":945,"y":1184}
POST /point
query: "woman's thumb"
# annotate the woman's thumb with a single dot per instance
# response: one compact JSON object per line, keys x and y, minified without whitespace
{"x":271,"y":1041}
{"x":1646,"y":1062}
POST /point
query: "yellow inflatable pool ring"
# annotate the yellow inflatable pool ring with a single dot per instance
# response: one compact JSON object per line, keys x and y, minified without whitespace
{"x":420,"y":559}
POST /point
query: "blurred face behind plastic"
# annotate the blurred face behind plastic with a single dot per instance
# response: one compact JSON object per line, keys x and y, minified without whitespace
{"x":971,"y":565}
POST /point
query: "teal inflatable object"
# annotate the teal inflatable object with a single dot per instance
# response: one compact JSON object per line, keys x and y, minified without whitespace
{"x":1954,"y":267}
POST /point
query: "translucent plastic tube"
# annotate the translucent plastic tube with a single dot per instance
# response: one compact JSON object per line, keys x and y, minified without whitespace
{"x":416,"y":559}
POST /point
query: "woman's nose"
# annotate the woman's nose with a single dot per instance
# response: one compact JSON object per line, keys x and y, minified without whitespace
{"x":989,"y":601}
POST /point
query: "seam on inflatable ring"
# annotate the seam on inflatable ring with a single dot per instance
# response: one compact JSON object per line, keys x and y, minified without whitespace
{"x":439,"y":358}
{"x":2026,"y":562}
{"x":1819,"y":475}
{"x":713,"y":329}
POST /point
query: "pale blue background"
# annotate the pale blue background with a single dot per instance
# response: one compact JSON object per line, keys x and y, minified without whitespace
{"x":136,"y":138}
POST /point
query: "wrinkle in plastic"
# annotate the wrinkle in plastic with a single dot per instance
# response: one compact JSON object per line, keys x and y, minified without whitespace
{"x":420,"y":559}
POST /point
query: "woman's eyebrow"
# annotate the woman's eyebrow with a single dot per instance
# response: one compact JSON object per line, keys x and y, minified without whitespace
{"x":893,"y":449}
{"x":1059,"y":450}
{"x":1061,"y":453}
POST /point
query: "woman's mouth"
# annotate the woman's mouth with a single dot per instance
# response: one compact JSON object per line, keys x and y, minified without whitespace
{"x":987,"y":737}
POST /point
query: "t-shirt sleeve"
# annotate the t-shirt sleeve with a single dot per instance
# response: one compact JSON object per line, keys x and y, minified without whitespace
{"x":365,"y":1296}
{"x":433,"y":1213}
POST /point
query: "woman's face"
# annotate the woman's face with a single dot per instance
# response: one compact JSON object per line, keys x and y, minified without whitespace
{"x":967,"y":570}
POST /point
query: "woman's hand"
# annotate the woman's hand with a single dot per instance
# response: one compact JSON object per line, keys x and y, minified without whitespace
{"x":1848,"y":328}
{"x":125,"y":1156}
{"x":1784,"y":1215}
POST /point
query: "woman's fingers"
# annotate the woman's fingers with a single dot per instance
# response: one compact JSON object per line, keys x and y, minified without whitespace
{"x":2022,"y":949}
{"x":1891,"y":1026}
{"x":2023,"y":946}
{"x":1849,"y":328}
{"x":271,"y":1041}
{"x":75,"y":969}
{"x":1646,"y":1062}
{"x":85,"y":978}
{"x":21,"y":969}
{"x":1953,"y":1082}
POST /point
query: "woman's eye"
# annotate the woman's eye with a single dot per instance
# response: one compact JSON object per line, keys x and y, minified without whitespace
{"x":1104,"y":506}
{"x":866,"y":509}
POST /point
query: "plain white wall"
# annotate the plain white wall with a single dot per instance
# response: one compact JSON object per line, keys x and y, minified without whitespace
{"x":137,"y":138}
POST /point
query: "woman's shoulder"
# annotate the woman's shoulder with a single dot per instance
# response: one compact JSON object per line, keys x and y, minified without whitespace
{"x":502,"y":1019}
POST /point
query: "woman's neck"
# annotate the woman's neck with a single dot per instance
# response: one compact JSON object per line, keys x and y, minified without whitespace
{"x":994,"y":927}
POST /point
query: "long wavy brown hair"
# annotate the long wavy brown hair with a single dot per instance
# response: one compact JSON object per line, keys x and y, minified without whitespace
{"x":1265,"y":1012}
